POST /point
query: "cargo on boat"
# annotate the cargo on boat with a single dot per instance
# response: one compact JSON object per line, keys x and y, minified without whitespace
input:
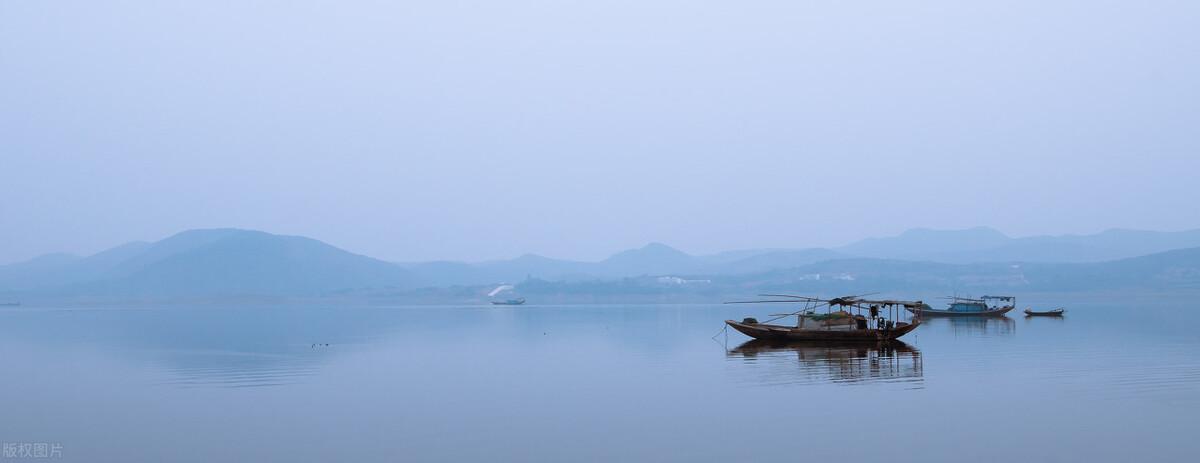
{"x":844,"y":319}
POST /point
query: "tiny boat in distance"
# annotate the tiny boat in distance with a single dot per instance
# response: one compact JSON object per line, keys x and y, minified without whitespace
{"x":509,"y":289}
{"x":986,"y":306}
{"x":843,"y":320}
{"x":1045,"y":313}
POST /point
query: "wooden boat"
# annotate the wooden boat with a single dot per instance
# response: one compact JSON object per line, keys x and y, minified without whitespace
{"x":986,"y":306}
{"x":845,"y":324}
{"x":1045,"y":313}
{"x":517,"y":301}
{"x":768,"y":332}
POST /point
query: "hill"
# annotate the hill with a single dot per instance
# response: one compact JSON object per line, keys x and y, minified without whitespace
{"x":208,"y":263}
{"x":654,"y":259}
{"x":983,"y":244}
{"x":1160,"y":272}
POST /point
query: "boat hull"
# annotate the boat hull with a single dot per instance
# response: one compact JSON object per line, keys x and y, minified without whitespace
{"x":947,"y":313}
{"x":768,"y":332}
{"x":1048,"y":313}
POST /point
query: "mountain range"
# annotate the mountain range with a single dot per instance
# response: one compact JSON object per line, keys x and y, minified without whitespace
{"x":199,"y":264}
{"x":968,"y":246}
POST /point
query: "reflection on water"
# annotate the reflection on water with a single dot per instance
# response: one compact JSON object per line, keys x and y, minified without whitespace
{"x":973,"y":326}
{"x":1044,"y":320}
{"x":814,"y":362}
{"x":218,"y":347}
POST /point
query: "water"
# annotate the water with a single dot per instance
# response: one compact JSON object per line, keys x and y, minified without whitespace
{"x":1111,"y":381}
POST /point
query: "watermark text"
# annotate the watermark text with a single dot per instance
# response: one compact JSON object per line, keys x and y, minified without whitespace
{"x":32,"y":450}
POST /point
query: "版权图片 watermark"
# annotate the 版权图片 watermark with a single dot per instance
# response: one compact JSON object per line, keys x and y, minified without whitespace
{"x":22,"y":450}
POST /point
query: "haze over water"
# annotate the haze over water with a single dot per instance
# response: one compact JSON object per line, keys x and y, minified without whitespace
{"x":593,"y":383}
{"x":338,"y":162}
{"x":574,"y":130}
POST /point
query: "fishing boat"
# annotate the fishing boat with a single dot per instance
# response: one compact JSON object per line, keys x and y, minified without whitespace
{"x":1045,"y":313}
{"x":986,"y":306}
{"x":844,"y":319}
{"x":517,"y":301}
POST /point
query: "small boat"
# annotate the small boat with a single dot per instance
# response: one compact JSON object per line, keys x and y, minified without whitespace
{"x":986,"y":306}
{"x":1045,"y":313}
{"x":9,"y":304}
{"x":506,"y":288}
{"x":846,"y":319}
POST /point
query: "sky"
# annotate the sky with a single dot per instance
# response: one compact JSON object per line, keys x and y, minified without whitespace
{"x":473,"y":130}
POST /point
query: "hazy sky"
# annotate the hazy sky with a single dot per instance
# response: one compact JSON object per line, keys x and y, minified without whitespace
{"x":478,"y":130}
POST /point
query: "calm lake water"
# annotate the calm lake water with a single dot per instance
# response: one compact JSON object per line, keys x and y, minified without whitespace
{"x":1111,"y":381}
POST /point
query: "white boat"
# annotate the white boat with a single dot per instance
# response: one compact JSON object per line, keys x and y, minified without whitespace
{"x":506,"y":289}
{"x":986,"y":306}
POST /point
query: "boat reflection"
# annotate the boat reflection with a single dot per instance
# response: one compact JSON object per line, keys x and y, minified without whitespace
{"x":974,"y":326}
{"x":1051,"y":320}
{"x":824,"y":362}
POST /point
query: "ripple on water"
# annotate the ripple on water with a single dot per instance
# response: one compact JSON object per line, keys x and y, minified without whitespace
{"x":235,"y":369}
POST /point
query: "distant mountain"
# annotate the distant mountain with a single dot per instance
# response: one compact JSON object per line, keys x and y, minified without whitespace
{"x":918,"y":243}
{"x":207,"y":263}
{"x":1176,"y":269}
{"x":660,"y":259}
{"x":987,"y":245}
{"x":1160,"y":272}
{"x":1107,"y":245}
{"x":443,"y":273}
{"x":775,"y":260}
{"x":726,"y":257}
{"x":34,"y":272}
{"x":533,"y":264}
{"x":651,"y":259}
{"x":654,"y":259}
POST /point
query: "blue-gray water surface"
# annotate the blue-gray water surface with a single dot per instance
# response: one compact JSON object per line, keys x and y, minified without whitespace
{"x":1112,"y":381}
